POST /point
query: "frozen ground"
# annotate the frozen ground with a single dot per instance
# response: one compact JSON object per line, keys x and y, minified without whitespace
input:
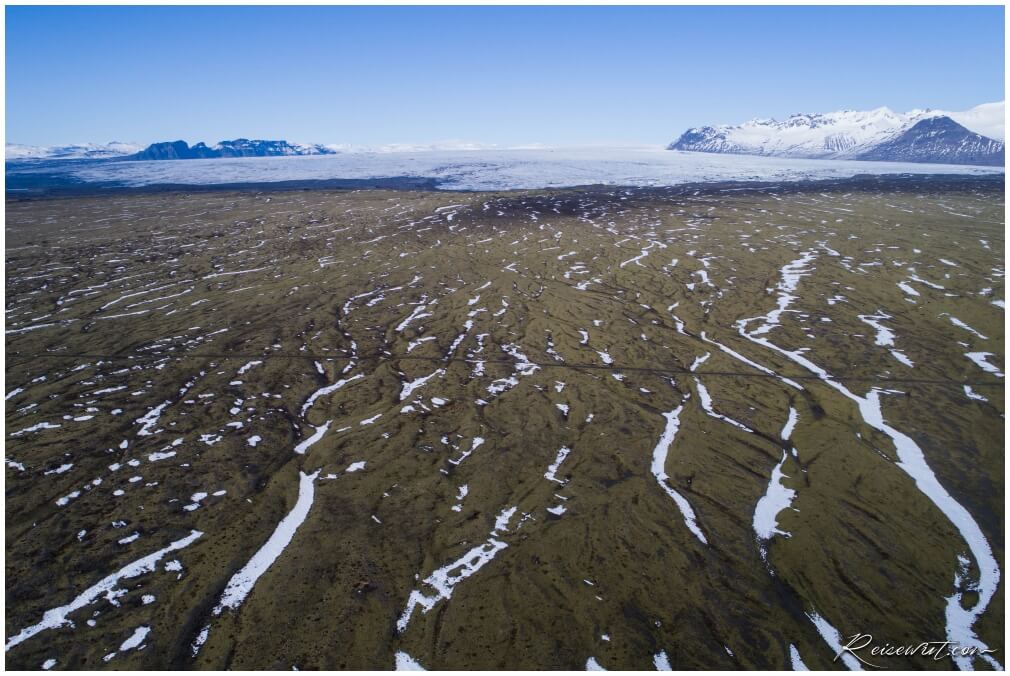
{"x":487,"y":169}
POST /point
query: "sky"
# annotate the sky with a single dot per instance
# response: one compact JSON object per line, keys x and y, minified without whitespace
{"x":493,"y":75}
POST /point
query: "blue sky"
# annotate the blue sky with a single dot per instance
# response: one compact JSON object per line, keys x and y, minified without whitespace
{"x":504,"y":75}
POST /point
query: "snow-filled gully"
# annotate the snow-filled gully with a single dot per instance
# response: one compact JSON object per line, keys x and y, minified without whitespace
{"x":911,"y":460}
{"x":242,"y":582}
{"x":659,"y":455}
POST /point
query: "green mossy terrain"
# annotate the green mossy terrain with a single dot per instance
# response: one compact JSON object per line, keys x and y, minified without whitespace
{"x":229,"y":310}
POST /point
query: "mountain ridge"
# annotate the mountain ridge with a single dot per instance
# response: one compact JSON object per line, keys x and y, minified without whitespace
{"x":875,"y":135}
{"x":241,"y":147}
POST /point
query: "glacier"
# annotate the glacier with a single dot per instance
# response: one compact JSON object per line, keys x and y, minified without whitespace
{"x":484,"y":169}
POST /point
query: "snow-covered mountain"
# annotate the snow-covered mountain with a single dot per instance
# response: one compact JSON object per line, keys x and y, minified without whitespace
{"x":16,"y":151}
{"x":971,"y":137}
{"x":940,"y":140}
{"x":180,"y":150}
{"x":987,"y":119}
